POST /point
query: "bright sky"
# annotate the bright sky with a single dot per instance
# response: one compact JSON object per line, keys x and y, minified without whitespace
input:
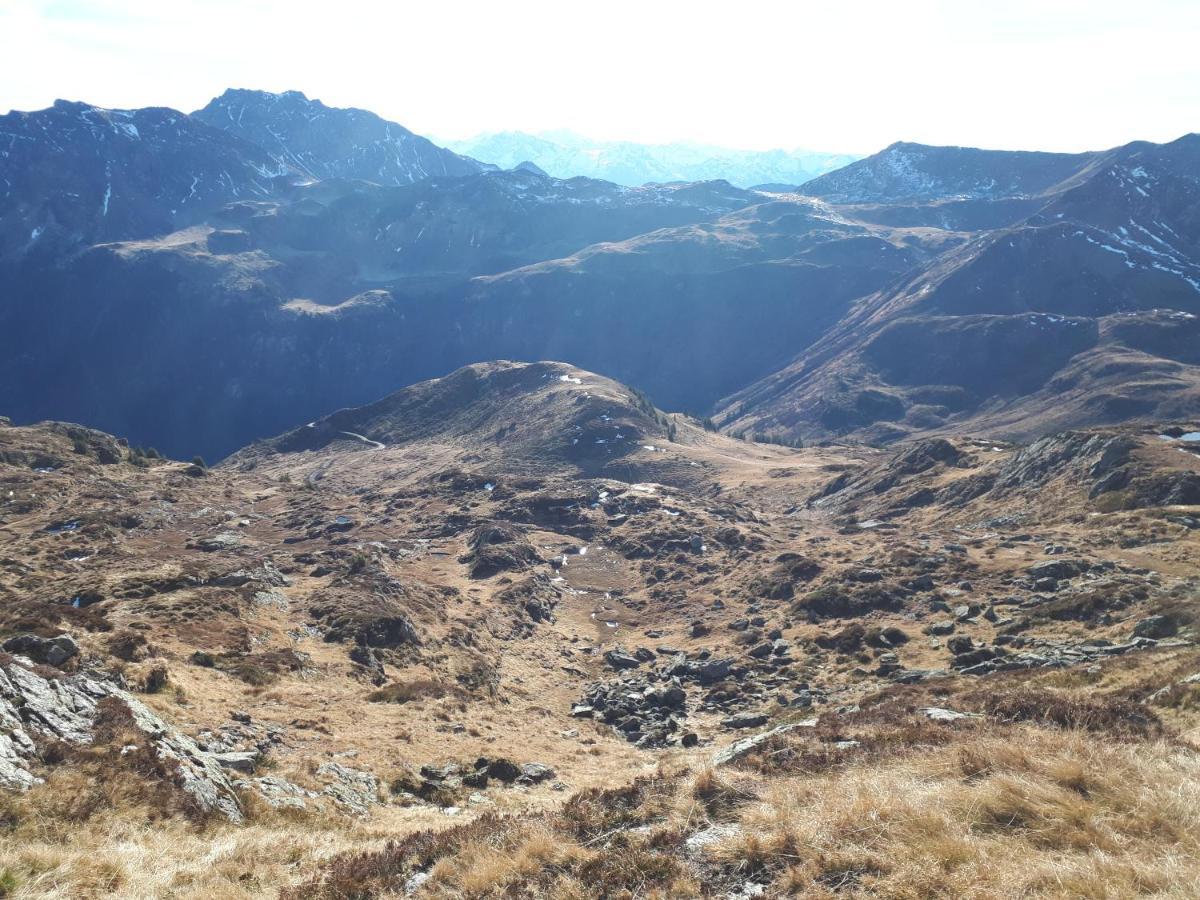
{"x":818,"y":74}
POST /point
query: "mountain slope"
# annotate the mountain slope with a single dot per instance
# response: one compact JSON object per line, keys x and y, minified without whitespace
{"x":539,"y":415}
{"x":75,"y":173}
{"x":325,"y":294}
{"x":1083,"y":312}
{"x":906,"y":172}
{"x":325,"y":142}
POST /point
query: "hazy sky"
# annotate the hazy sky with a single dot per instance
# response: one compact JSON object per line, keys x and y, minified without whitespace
{"x":845,"y":76}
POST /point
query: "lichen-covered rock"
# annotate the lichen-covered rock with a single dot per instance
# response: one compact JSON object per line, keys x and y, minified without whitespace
{"x":738,"y":749}
{"x":353,"y":789}
{"x":65,"y":708}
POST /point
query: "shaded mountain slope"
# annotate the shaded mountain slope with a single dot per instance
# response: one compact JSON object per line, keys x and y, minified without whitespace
{"x":180,"y":291}
{"x":76,"y":174}
{"x":282,"y":308}
{"x":1080,"y":313}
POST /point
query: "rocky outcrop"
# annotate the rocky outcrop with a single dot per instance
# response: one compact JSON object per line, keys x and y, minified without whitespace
{"x":1094,"y":456}
{"x":1104,"y":463}
{"x":1017,"y":653}
{"x":499,"y":547}
{"x":35,"y":708}
{"x":373,"y":609}
{"x":353,"y":789}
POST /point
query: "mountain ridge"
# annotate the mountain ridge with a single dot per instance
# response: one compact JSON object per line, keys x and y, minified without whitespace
{"x":272,"y":296}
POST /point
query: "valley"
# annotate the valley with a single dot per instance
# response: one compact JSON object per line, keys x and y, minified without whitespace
{"x":270,"y":280}
{"x":553,"y":536}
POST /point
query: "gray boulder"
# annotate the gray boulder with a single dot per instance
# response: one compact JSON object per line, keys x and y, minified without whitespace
{"x":705,"y":671}
{"x":52,"y":651}
{"x":1155,"y":627}
{"x":536,"y":773}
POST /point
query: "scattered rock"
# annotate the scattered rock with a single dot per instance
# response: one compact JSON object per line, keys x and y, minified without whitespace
{"x":1058,"y":569}
{"x":238,"y":760}
{"x":618,"y":659}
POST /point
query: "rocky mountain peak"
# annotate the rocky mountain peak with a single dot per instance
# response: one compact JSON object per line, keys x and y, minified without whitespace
{"x":328,"y":142}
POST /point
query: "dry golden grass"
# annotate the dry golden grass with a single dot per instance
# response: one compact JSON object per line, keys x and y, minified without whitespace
{"x":1047,"y":805}
{"x":128,"y":855}
{"x":1011,"y":813}
{"x":997,"y":811}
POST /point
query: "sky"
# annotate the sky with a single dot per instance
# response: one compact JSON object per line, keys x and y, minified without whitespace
{"x":818,"y":74}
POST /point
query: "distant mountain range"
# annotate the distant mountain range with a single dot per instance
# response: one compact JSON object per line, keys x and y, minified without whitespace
{"x":199,"y":281}
{"x":563,"y":154}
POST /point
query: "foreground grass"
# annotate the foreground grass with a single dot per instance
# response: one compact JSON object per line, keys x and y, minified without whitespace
{"x":1009,"y":812}
{"x":130,"y":854}
{"x":1057,"y":789}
